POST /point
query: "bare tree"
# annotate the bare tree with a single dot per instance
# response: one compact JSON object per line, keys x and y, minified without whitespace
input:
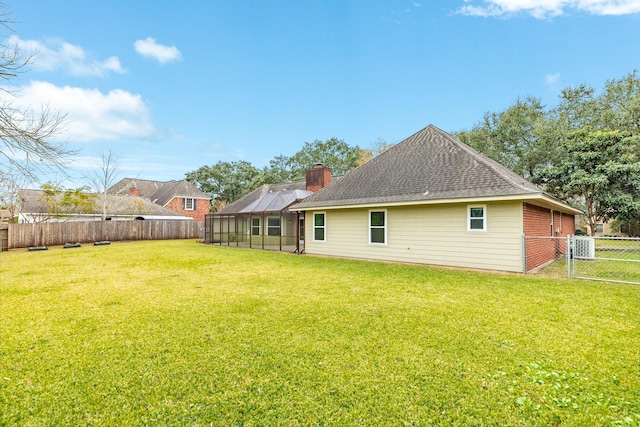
{"x":10,"y":185}
{"x":27,"y":136}
{"x":103,"y":177}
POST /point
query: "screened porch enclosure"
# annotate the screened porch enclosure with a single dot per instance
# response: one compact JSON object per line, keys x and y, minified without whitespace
{"x":278,"y":231}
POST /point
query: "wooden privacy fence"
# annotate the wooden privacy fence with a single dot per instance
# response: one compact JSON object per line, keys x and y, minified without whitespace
{"x":60,"y":233}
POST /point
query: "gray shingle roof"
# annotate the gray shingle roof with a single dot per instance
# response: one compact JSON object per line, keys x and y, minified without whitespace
{"x":173,"y":189}
{"x":429,"y":165}
{"x":32,"y":201}
{"x":146,"y":187}
{"x":158,"y":191}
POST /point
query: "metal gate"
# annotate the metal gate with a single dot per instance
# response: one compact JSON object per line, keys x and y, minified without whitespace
{"x":612,"y":259}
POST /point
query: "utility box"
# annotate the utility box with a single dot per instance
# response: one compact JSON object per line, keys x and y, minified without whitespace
{"x":584,"y":247}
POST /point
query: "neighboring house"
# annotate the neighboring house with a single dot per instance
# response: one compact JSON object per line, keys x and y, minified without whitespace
{"x":432,"y":199}
{"x":262,"y":219}
{"x":603,"y":229}
{"x":179,"y":196}
{"x":32,"y":207}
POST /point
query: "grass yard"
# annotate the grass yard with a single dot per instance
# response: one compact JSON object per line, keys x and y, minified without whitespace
{"x":181,"y":334}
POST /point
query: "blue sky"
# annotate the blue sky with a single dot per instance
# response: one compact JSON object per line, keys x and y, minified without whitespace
{"x":171,"y":86}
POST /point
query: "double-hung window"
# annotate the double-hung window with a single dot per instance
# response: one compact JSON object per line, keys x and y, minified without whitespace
{"x":378,"y":227}
{"x":189,"y":204}
{"x":319,"y":227}
{"x":273,"y":226}
{"x":477,"y":218}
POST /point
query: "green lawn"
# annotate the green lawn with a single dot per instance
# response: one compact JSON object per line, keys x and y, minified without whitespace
{"x":182,"y":334}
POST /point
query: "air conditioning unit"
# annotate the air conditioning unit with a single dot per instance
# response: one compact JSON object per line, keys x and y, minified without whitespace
{"x":584,"y":247}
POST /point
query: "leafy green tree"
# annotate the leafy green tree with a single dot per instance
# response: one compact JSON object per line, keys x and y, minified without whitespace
{"x":333,"y":153}
{"x":602,"y":169}
{"x":62,"y":202}
{"x":577,"y":109}
{"x":584,"y":150}
{"x":517,"y":137}
{"x":225,"y":182}
{"x":630,"y":227}
{"x":620,"y":103}
{"x":278,"y":171}
{"x":378,"y":147}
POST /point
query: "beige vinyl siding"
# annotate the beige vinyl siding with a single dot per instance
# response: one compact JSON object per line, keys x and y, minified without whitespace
{"x":434,"y":234}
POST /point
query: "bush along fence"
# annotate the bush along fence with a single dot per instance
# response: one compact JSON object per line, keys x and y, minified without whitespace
{"x":61,"y":233}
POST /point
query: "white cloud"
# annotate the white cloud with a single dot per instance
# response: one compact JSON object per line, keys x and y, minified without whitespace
{"x":91,"y":114}
{"x":56,"y":54}
{"x":551,"y":79}
{"x":161,"y":53}
{"x":543,"y":9}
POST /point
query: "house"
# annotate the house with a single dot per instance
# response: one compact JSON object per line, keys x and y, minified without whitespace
{"x":181,"y":197}
{"x":33,"y":207}
{"x":604,"y":229}
{"x":262,"y":218}
{"x":433,"y":200}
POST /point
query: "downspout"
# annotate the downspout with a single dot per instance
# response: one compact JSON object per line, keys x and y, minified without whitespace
{"x":561,"y":222}
{"x":297,"y":250}
{"x":281,"y":228}
{"x":524,"y":254}
{"x":304,"y":231}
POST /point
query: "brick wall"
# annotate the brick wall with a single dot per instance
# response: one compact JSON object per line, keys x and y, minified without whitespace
{"x":537,"y":220}
{"x":202,"y":208}
{"x":566,"y":223}
{"x":538,"y":223}
{"x":318,"y":177}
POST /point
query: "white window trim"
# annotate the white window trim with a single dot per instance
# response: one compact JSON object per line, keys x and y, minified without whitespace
{"x":279,"y":226}
{"x":484,"y":218}
{"x":386,"y":221}
{"x":186,"y":205}
{"x":313,"y":226}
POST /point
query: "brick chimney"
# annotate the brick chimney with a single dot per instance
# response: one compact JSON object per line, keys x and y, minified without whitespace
{"x":318,"y":177}
{"x":133,"y":191}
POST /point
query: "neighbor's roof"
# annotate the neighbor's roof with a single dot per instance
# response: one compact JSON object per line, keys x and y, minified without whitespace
{"x":268,"y":198}
{"x":145,"y":187}
{"x":174,"y":189}
{"x":430,"y":165}
{"x":158,"y":191}
{"x":33,"y":202}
